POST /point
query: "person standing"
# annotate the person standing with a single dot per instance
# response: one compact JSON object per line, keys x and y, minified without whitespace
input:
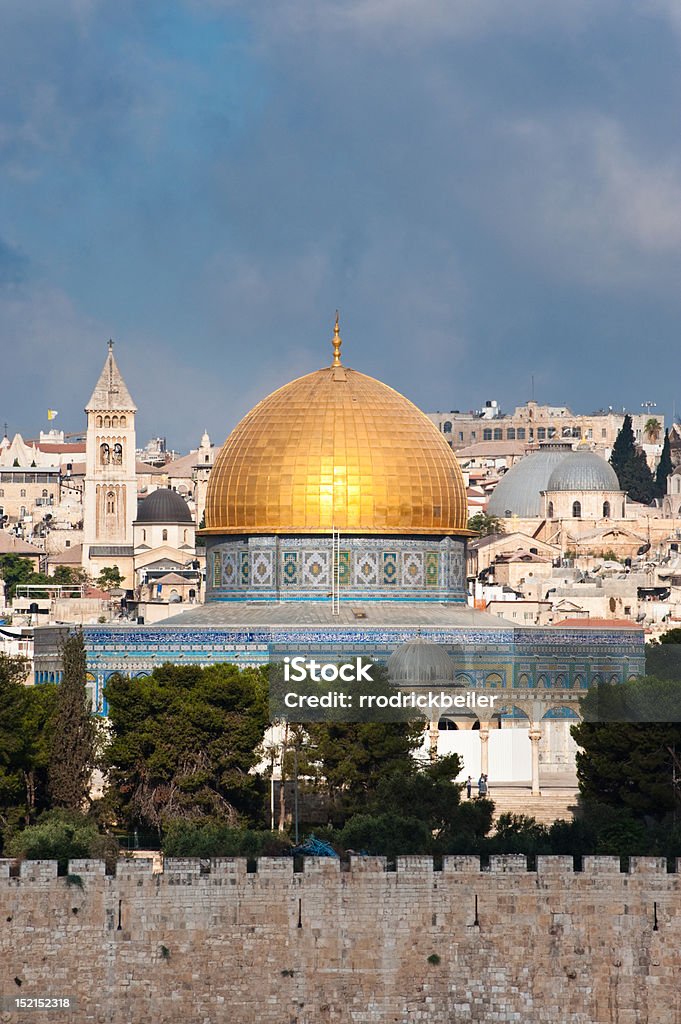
{"x":469,"y":786}
{"x":482,"y":786}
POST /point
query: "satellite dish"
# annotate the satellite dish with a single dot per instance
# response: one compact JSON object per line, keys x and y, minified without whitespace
{"x":642,"y":550}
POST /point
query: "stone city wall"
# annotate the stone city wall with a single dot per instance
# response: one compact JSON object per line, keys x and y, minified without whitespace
{"x":213,"y":943}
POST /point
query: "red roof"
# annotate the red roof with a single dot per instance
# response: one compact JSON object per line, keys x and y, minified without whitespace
{"x":64,"y":449}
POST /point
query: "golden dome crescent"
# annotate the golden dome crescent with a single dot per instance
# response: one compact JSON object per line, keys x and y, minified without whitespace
{"x":336,"y":449}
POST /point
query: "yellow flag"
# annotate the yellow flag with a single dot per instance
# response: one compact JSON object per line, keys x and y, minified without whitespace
{"x":51,"y":413}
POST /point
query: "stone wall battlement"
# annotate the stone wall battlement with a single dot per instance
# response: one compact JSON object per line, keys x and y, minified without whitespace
{"x":471,"y":866}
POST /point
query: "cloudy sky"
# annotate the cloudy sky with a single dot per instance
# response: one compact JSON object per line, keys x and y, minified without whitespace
{"x":489,"y":190}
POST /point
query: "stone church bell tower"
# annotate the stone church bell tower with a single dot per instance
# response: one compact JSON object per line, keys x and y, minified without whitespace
{"x":110,"y":494}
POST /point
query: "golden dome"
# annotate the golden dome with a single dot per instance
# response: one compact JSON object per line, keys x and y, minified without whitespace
{"x":336,"y":449}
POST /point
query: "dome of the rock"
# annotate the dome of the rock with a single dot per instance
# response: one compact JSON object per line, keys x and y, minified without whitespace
{"x":336,"y":449}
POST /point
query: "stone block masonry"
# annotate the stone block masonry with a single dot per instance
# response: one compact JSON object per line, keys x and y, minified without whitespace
{"x":205,"y":943}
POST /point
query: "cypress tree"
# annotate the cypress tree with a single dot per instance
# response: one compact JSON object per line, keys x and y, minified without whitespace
{"x":74,"y":737}
{"x":664,"y":467}
{"x":631,"y":466}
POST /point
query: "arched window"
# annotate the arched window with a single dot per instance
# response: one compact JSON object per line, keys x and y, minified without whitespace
{"x":124,"y":421}
{"x":22,"y":493}
{"x":207,"y":458}
{"x":576,"y":510}
{"x":144,"y":534}
{"x":446,"y":427}
{"x":185,"y":536}
{"x":104,"y":454}
{"x":117,"y":454}
{"x":550,"y":510}
{"x":510,"y":434}
{"x":44,"y":492}
{"x":110,"y":503}
{"x":164,"y":535}
{"x":606,"y":509}
{"x":99,"y":421}
{"x":107,"y":421}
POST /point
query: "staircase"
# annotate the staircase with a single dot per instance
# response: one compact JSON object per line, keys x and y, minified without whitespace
{"x":557,"y":800}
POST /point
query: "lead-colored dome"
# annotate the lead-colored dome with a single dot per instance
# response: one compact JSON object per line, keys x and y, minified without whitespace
{"x":518,"y":493}
{"x":336,"y":449}
{"x":583,"y":471}
{"x":163,"y":506}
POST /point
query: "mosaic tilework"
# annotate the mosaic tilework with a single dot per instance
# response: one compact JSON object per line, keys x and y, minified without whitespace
{"x":366,"y":568}
{"x":299,"y":568}
{"x":344,"y":568}
{"x":316,"y":568}
{"x":229,"y":570}
{"x":217,"y":568}
{"x":390,"y":567}
{"x":412,"y":569}
{"x":262,"y":569}
{"x":290,"y":568}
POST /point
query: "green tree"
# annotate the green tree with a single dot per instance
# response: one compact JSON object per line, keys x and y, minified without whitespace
{"x":74,"y":737}
{"x":110,"y":578}
{"x":63,"y":836}
{"x":630,"y":465}
{"x":183,"y":743}
{"x":485,"y":525}
{"x":665,"y":467}
{"x":70,"y":576}
{"x":629,"y":738}
{"x":25,"y":717}
{"x":652,"y":429}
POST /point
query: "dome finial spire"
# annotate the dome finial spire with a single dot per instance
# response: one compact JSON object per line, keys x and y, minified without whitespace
{"x":337,"y":342}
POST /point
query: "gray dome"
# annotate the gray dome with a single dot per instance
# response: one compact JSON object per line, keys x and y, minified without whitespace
{"x":518,"y":492}
{"x":420,"y":661}
{"x":163,"y":506}
{"x":583,"y":471}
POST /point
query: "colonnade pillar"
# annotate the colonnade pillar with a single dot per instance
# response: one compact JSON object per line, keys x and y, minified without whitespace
{"x":535,"y":736}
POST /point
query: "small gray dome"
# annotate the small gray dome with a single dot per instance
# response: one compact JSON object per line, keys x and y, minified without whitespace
{"x":518,"y":493}
{"x":583,"y":471}
{"x":420,"y":661}
{"x":163,"y":506}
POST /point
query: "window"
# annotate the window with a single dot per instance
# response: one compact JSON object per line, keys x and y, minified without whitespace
{"x":123,"y":421}
{"x":117,"y":454}
{"x":104,"y":455}
{"x":22,"y":493}
{"x":164,"y":535}
{"x":487,"y":434}
{"x":521,"y":433}
{"x":2,"y":492}
{"x":541,"y":433}
{"x":447,"y":427}
{"x":473,"y":435}
{"x":498,"y":433}
{"x":44,"y":492}
{"x":461,"y":435}
{"x":576,"y":510}
{"x":67,"y":543}
{"x":206,"y":458}
{"x":99,"y":421}
{"x":604,"y":432}
{"x":606,"y":509}
{"x":111,"y":503}
{"x":185,"y":536}
{"x":549,"y":511}
{"x":510,"y":434}
{"x":552,"y":432}
{"x":114,"y":421}
{"x":144,"y":534}
{"x":107,"y":421}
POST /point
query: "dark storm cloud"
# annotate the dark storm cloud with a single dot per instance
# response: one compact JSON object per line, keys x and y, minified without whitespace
{"x":488,"y":191}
